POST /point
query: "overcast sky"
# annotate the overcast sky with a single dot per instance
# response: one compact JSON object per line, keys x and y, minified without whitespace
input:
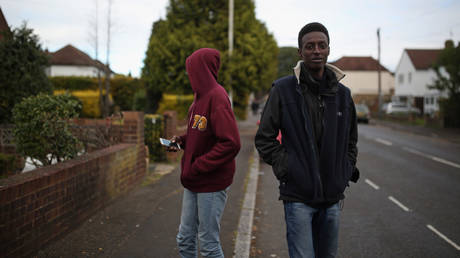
{"x":352,"y":25}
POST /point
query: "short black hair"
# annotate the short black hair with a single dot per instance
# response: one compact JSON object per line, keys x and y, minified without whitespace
{"x":314,"y":26}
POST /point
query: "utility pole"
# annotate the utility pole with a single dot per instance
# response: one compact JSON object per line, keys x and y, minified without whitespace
{"x":230,"y":42}
{"x":107,"y":101}
{"x":379,"y":75}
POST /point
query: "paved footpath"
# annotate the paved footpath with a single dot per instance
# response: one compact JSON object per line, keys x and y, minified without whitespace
{"x":144,"y":222}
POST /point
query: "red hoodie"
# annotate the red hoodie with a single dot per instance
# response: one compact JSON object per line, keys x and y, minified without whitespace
{"x":212,"y":140}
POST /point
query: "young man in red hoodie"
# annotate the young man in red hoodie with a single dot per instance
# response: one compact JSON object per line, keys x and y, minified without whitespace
{"x":210,"y":146}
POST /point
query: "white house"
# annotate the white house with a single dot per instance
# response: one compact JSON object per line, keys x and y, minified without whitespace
{"x":70,"y":61}
{"x":361,"y":76}
{"x":413,"y":74}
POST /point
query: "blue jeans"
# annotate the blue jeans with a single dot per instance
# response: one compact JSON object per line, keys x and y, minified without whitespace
{"x":311,"y":232}
{"x":200,"y":218}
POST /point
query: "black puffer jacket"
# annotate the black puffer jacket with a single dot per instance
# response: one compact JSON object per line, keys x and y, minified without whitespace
{"x":312,"y":171}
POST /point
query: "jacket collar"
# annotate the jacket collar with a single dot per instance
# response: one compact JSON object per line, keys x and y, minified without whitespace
{"x":339,"y":74}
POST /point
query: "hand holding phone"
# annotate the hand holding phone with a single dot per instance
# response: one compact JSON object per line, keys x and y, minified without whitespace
{"x":172,"y":146}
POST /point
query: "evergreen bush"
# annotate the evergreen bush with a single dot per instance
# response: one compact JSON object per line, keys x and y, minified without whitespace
{"x":8,"y":164}
{"x":153,"y":130}
{"x":178,"y":103}
{"x":41,"y":128}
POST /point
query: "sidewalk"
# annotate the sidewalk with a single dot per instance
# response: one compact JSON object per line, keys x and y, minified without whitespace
{"x":144,"y":222}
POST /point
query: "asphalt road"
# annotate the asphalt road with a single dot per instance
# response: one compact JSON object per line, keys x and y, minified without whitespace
{"x":406,"y":203}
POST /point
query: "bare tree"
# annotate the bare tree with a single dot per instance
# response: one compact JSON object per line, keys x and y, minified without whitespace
{"x":94,"y":41}
{"x":104,"y":90}
{"x":107,"y":101}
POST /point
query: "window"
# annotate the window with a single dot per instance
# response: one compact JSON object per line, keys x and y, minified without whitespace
{"x":401,"y":78}
{"x":409,"y":77}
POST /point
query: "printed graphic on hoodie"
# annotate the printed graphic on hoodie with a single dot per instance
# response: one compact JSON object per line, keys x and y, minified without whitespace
{"x":200,"y":122}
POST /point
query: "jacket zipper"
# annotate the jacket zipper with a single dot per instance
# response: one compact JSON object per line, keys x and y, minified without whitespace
{"x":321,"y":111}
{"x":312,"y":146}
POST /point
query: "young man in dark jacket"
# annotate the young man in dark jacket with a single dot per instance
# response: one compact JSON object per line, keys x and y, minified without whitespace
{"x":316,"y":159}
{"x":210,"y":146}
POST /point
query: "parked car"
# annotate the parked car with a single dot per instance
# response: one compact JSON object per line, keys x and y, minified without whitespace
{"x":401,"y":108}
{"x":362,"y":113}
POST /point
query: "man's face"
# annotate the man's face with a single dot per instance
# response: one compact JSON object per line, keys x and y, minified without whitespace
{"x":314,"y":51}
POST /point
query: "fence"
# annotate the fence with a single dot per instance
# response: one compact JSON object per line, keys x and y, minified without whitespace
{"x":37,"y":207}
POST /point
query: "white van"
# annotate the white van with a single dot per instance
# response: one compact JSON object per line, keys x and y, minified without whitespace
{"x":401,"y":108}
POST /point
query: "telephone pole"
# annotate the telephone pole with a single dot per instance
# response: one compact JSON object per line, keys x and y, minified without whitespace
{"x":379,"y":75}
{"x":230,"y":43}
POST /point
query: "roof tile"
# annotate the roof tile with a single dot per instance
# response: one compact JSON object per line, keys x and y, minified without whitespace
{"x":70,"y":55}
{"x":358,"y":63}
{"x":3,"y":24}
{"x":423,"y":59}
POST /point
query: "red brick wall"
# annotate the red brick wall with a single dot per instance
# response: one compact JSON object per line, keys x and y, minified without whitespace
{"x":38,"y":206}
{"x":170,"y":129}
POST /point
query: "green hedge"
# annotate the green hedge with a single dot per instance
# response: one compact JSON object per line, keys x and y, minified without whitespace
{"x":8,"y":164}
{"x":178,"y":103}
{"x":74,"y":83}
{"x":153,"y":130}
{"x":450,"y":109}
{"x":122,"y":88}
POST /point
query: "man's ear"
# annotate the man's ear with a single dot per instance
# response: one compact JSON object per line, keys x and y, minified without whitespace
{"x":299,"y":51}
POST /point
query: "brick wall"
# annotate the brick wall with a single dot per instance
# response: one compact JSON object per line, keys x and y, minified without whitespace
{"x":38,"y":206}
{"x":170,"y":129}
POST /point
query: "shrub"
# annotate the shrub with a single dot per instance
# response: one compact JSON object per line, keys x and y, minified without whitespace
{"x":123,"y":89}
{"x":450,"y":109}
{"x":22,"y":69}
{"x":74,"y":83}
{"x":240,"y":105}
{"x":153,"y":130}
{"x":89,"y":100}
{"x":139,"y":100}
{"x":178,"y":103}
{"x":41,"y":128}
{"x":8,"y":164}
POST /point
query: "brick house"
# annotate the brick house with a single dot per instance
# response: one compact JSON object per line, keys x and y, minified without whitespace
{"x":3,"y":24}
{"x":362,"y":79}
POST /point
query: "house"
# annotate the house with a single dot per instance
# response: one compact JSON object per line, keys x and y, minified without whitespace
{"x":413,"y":74}
{"x":3,"y":24}
{"x":362,"y":79}
{"x":70,"y":61}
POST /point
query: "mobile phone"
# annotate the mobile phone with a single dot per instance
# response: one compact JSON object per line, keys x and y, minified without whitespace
{"x":168,"y":143}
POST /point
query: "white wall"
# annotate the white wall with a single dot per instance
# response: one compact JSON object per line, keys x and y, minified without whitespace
{"x":68,"y":70}
{"x":417,"y":85}
{"x":405,"y":66}
{"x":366,"y":82}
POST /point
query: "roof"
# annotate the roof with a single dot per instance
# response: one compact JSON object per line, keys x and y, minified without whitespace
{"x":70,"y":55}
{"x":3,"y":24}
{"x":358,"y":63}
{"x":423,"y":59}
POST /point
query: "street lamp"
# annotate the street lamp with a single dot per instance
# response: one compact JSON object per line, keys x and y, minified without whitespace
{"x":230,"y":43}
